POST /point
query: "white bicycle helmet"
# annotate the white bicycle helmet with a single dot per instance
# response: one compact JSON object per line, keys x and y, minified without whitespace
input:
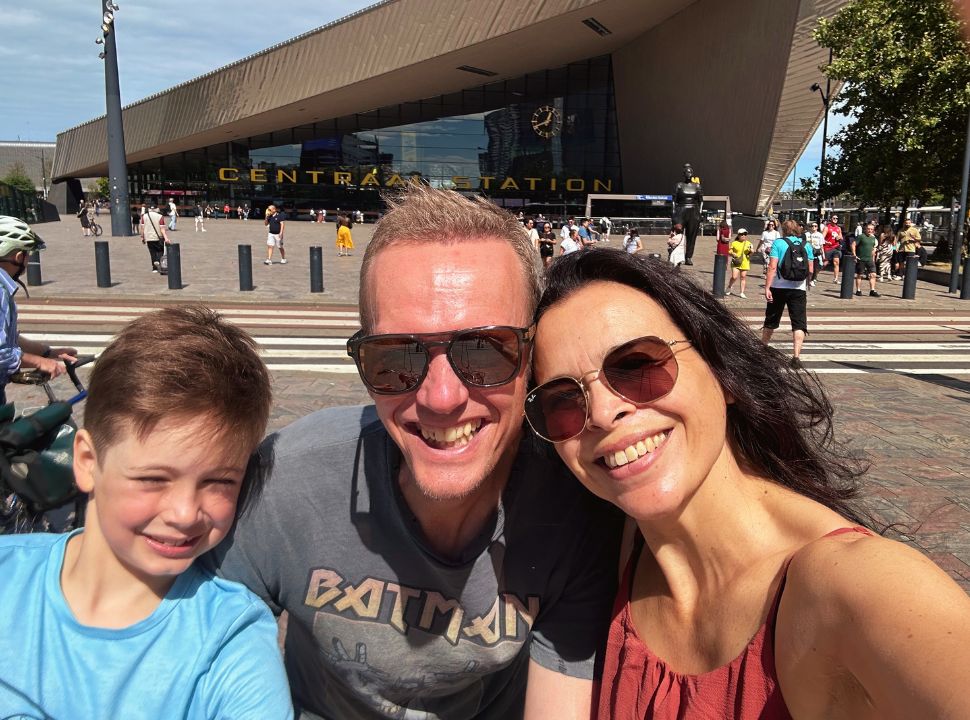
{"x":15,"y":235}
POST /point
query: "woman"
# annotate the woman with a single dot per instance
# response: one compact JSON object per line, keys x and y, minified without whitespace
{"x":344,"y":242}
{"x":740,"y":252}
{"x":631,"y":242}
{"x":547,"y":244}
{"x":752,"y":589}
{"x":723,"y":238}
{"x":676,"y":252}
{"x":768,"y":238}
{"x":85,"y":219}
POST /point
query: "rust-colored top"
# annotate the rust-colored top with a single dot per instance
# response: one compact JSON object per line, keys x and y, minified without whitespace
{"x":638,"y":684}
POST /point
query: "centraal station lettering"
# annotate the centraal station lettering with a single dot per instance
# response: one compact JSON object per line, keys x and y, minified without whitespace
{"x":263,"y":176}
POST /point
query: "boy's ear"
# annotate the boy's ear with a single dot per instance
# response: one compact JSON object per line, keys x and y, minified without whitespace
{"x":85,"y":461}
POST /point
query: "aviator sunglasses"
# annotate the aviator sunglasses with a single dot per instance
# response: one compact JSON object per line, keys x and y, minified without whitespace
{"x":640,"y":371}
{"x":481,"y":357}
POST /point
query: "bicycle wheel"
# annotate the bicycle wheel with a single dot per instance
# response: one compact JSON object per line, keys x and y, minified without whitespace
{"x":97,"y":229}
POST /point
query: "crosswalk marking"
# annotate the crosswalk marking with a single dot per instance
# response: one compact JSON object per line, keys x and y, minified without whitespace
{"x":318,"y":340}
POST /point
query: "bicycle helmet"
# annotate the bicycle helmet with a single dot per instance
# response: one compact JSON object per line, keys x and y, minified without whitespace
{"x":15,"y":235}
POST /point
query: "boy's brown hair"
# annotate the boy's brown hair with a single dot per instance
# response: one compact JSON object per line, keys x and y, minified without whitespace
{"x":179,"y":362}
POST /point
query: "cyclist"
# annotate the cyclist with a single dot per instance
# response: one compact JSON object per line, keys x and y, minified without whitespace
{"x":17,"y":241}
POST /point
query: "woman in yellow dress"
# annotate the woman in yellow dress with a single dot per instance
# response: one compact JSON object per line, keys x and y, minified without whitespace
{"x":740,"y":253}
{"x":344,"y":242}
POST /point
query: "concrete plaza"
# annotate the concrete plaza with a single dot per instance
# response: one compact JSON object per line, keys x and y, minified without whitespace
{"x":913,"y":426}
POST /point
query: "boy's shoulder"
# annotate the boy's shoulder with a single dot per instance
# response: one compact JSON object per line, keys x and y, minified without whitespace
{"x":29,"y":541}
{"x":222,"y":602}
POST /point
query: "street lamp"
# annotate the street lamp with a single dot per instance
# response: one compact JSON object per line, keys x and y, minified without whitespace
{"x":117,"y":165}
{"x":826,"y":97}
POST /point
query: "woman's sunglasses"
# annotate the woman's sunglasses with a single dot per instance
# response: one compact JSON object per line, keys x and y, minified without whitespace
{"x":640,"y":371}
{"x":481,"y":357}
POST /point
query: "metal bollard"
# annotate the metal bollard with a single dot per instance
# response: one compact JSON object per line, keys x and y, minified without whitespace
{"x":720,"y":267}
{"x":33,"y":269}
{"x":848,"y":277}
{"x":245,"y":267}
{"x":316,"y":269}
{"x":965,"y":288}
{"x":909,"y":281}
{"x":102,"y":263}
{"x":174,"y":252}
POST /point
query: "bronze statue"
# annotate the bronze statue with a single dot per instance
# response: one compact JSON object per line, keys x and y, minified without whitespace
{"x":688,"y":200}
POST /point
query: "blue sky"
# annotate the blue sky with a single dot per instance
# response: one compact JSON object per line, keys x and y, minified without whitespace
{"x":53,"y":78}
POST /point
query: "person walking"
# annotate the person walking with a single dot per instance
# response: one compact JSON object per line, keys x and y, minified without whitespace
{"x":724,"y":238}
{"x":768,"y":238}
{"x":345,"y":242}
{"x":547,"y":244}
{"x":740,"y":252}
{"x":832,"y":235}
{"x":275,"y":223}
{"x":199,"y":218}
{"x":789,"y":265}
{"x":154,"y":236}
{"x":864,"y":249}
{"x":884,"y":254}
{"x":817,"y":241}
{"x":173,"y":214}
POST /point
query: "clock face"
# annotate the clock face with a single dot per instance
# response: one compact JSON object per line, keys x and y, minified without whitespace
{"x":546,"y":121}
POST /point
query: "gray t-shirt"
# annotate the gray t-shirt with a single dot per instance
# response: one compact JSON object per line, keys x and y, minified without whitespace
{"x":380,"y":626}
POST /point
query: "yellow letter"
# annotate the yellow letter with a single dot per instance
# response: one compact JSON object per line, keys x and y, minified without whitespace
{"x":370,"y":179}
{"x":600,"y":185}
{"x":341,"y":178}
{"x":571,"y":185}
{"x":224,"y":174}
{"x":313,"y":175}
{"x":461,"y":182}
{"x":509,"y":183}
{"x":280,"y":174}
{"x":257,"y":175}
{"x":395,"y":179}
{"x":532,"y":182}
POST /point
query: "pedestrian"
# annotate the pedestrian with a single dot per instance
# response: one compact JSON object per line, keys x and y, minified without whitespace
{"x":322,"y":215}
{"x":345,"y":242}
{"x":606,"y":226}
{"x":434,"y":561}
{"x":530,"y":229}
{"x":85,"y":219}
{"x":275,"y":222}
{"x":740,"y":251}
{"x":154,"y":237}
{"x":912,"y":245}
{"x":884,"y":255}
{"x":768,"y":238}
{"x":199,"y":218}
{"x":631,"y":241}
{"x":547,"y":244}
{"x":567,"y":228}
{"x":246,"y":211}
{"x":789,"y":266}
{"x":833,"y":237}
{"x":751,"y":586}
{"x":817,"y":241}
{"x":676,"y":250}
{"x":724,"y":238}
{"x":173,"y":213}
{"x":571,"y":244}
{"x":226,"y":210}
{"x":864,"y":249}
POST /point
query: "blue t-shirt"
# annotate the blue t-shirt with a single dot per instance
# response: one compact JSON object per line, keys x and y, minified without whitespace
{"x":208,"y":650}
{"x":778,"y":249}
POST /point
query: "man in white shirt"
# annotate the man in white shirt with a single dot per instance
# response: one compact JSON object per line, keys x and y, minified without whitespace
{"x":533,"y":233}
{"x":173,"y":213}
{"x":571,"y":244}
{"x":817,"y":241}
{"x":567,"y":228}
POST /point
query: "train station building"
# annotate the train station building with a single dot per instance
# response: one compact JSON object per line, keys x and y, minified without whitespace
{"x":534,"y":104}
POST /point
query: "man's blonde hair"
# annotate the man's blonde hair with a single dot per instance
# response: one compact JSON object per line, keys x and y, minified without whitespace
{"x":421,"y":214}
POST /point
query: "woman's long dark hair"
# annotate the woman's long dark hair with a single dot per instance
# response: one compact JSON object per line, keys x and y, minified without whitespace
{"x":780,"y":423}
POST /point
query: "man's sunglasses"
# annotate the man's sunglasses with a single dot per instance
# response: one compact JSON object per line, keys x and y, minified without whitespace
{"x":640,"y":371}
{"x":481,"y":357}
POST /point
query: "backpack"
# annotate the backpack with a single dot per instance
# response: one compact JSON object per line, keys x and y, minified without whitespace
{"x":794,"y":264}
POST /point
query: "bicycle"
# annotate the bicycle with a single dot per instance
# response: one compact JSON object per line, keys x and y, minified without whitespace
{"x":96,"y":229}
{"x":37,"y":489}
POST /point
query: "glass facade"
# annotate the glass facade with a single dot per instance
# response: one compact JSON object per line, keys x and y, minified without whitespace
{"x":540,"y":142}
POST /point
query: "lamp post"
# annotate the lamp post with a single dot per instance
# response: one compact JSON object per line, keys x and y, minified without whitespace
{"x":826,"y":97}
{"x":117,"y":166}
{"x":957,"y":249}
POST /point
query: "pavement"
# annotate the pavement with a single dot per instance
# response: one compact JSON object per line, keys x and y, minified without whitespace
{"x":908,"y":412}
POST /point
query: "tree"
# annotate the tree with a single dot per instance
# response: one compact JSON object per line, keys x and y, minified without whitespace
{"x":17,"y":177}
{"x":906,"y":71}
{"x":102,"y":188}
{"x":808,"y":188}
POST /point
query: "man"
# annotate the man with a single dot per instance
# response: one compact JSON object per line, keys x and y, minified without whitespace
{"x":832,"y":235}
{"x":567,"y":228}
{"x":173,"y":214}
{"x":431,"y":555}
{"x":275,"y":223}
{"x":782,"y":292}
{"x":864,"y":249}
{"x":530,"y":228}
{"x":199,"y":218}
{"x":817,"y":241}
{"x":911,"y":243}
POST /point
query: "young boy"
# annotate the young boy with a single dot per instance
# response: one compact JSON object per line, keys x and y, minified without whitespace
{"x":116,"y":620}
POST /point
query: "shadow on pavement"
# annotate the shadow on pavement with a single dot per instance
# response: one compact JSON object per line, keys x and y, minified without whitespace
{"x":941,"y":380}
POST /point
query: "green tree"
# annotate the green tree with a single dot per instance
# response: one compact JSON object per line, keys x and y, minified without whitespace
{"x":102,"y":188}
{"x":906,"y":71}
{"x":17,"y":177}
